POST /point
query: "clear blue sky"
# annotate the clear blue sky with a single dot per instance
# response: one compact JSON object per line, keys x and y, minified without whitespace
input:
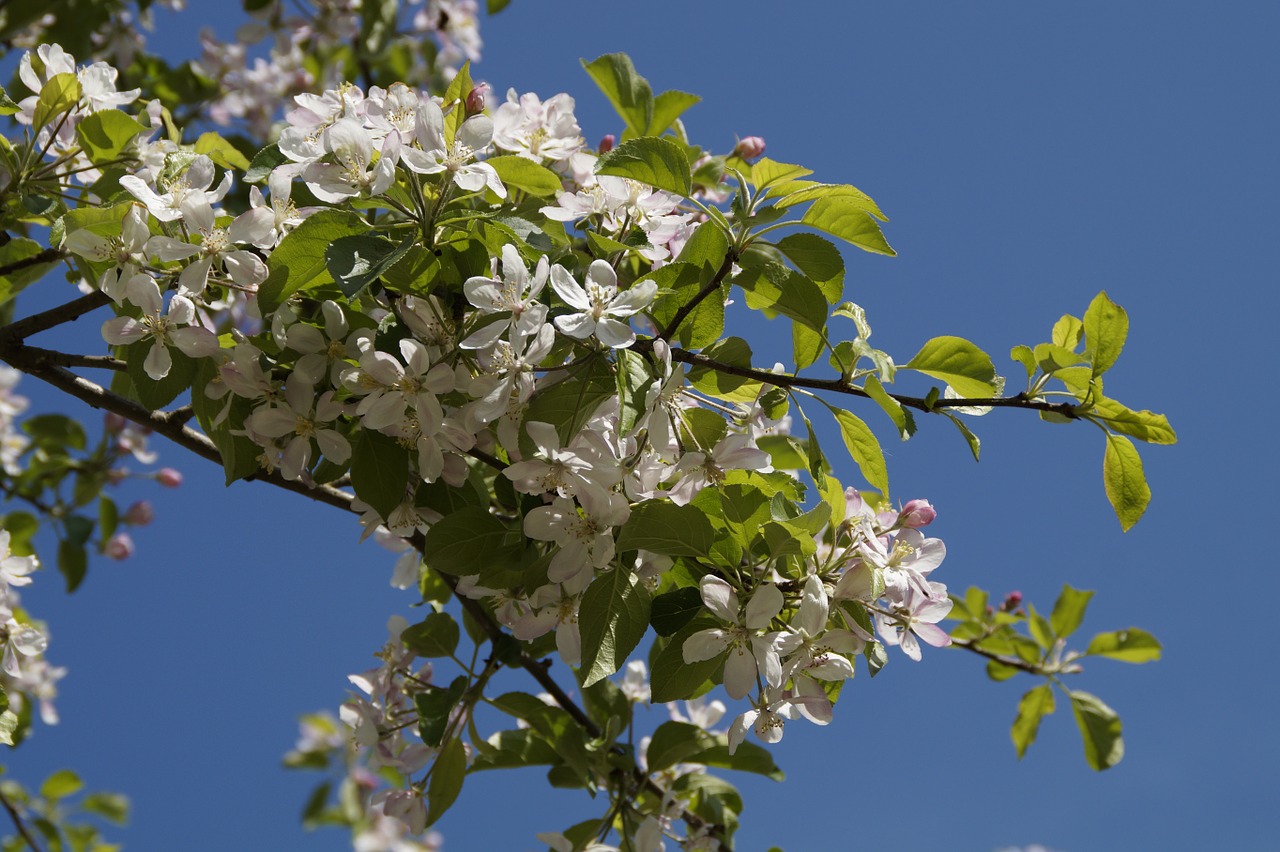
{"x":1028,"y":155}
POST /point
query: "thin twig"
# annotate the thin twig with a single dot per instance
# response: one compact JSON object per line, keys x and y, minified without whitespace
{"x":17,"y":822}
{"x":785,"y":380}
{"x":730,"y":258}
{"x":1011,"y":662}
{"x":49,"y":255}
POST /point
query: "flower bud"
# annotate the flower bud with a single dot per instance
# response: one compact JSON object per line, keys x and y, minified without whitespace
{"x":139,"y":514}
{"x":1012,"y":602}
{"x":117,"y":475}
{"x":168,"y":477}
{"x":749,"y":147}
{"x":476,"y":98}
{"x":916,"y":514}
{"x":113,"y":422}
{"x":607,"y":143}
{"x":118,"y":547}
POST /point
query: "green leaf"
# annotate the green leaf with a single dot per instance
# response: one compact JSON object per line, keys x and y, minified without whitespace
{"x":1068,"y":611}
{"x":1106,"y":325}
{"x":900,"y":416}
{"x":377,"y":25}
{"x":447,"y":774}
{"x":629,"y":93}
{"x":57,"y":430}
{"x":1099,"y":728}
{"x":774,"y":287}
{"x":59,"y":94}
{"x":959,"y":363}
{"x":819,"y":260}
{"x":673,"y":610}
{"x":1067,"y":332}
{"x":735,"y":352}
{"x":1128,"y":646}
{"x":512,"y":749}
{"x":61,"y":784}
{"x":673,"y":679}
{"x":1024,"y":356}
{"x":263,"y":163}
{"x":766,"y":172}
{"x":379,"y":471}
{"x":652,"y":160}
{"x":663,"y":527}
{"x":157,"y":393}
{"x":436,"y":636}
{"x":526,"y":175}
{"x":845,"y":217}
{"x":20,"y":249}
{"x":1143,"y":425}
{"x":1036,"y":704}
{"x":356,"y":262}
{"x":667,"y":107}
{"x":105,"y":134}
{"x":864,"y":449}
{"x":222,"y":152}
{"x":676,"y":742}
{"x":612,"y":618}
{"x":8,"y":724}
{"x":495,"y":6}
{"x":459,"y":87}
{"x":7,"y":104}
{"x":112,"y":807}
{"x":569,"y":404}
{"x":472,"y":541}
{"x":298,"y":263}
{"x":678,"y":283}
{"x":1125,"y":483}
{"x":803,"y":191}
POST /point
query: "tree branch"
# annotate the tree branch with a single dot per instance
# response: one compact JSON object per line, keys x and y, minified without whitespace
{"x":16,"y":332}
{"x":48,"y":255}
{"x":1011,"y":662}
{"x":730,"y":258}
{"x":785,"y":380}
{"x":18,"y":823}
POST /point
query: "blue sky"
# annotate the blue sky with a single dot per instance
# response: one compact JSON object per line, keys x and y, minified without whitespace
{"x":1028,"y":155}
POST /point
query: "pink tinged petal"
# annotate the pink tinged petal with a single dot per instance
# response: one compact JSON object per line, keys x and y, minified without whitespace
{"x":429,"y":128}
{"x":335,"y":447}
{"x":932,"y":610}
{"x":159,"y":362}
{"x":739,"y":672}
{"x":182,"y":311}
{"x":384,"y":175}
{"x":763,"y":606}
{"x":544,"y":523}
{"x":306,"y":339}
{"x":767,"y":660}
{"x":568,"y":289}
{"x":601,"y":274}
{"x":706,"y":644}
{"x":121,"y":331}
{"x":614,"y":334}
{"x":195,"y":342}
{"x":491,"y":179}
{"x":484,"y":293}
{"x":544,"y":436}
{"x":832,"y":667}
{"x":295,"y":458}
{"x":720,"y":598}
{"x":812,"y":702}
{"x":159,"y":207}
{"x":143,"y":291}
{"x":197,"y":213}
{"x":933,"y":634}
{"x":29,"y":641}
{"x":486,"y":336}
{"x":273,"y":422}
{"x":86,"y":243}
{"x":910,"y":646}
{"x":256,"y":226}
{"x":738,"y":730}
{"x":167,"y":248}
{"x":387,"y":410}
{"x":193,"y":279}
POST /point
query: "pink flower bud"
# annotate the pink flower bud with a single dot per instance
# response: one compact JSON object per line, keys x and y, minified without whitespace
{"x":139,"y":514}
{"x":118,"y":547}
{"x":607,"y":143}
{"x":916,"y":514}
{"x":117,"y":475}
{"x":749,"y":147}
{"x":476,"y":98}
{"x":1012,"y":602}
{"x":168,"y":477}
{"x":113,"y":422}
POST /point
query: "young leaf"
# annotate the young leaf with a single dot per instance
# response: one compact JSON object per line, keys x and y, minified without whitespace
{"x":1125,"y":483}
{"x":59,"y":94}
{"x":900,"y":416}
{"x":379,"y":471}
{"x":1099,"y":729}
{"x":1068,"y":611}
{"x":864,"y":449}
{"x":447,"y":774}
{"x":845,"y":217}
{"x":673,"y":679}
{"x":437,"y":636}
{"x":104,"y":134}
{"x":959,"y":363}
{"x":471,"y":541}
{"x":656,"y":161}
{"x":1143,"y":425}
{"x":667,"y":107}
{"x":662,"y":527}
{"x":1106,"y":325}
{"x":1128,"y":646}
{"x":526,"y":175}
{"x":613,"y":617}
{"x":818,"y":259}
{"x":356,"y":262}
{"x":1036,"y":704}
{"x":629,"y":93}
{"x":298,"y":263}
